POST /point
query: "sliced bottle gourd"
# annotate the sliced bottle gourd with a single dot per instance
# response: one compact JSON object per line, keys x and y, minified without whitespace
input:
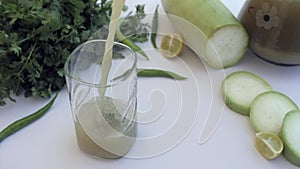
{"x":268,"y":110}
{"x":274,"y":116}
{"x":240,"y":88}
{"x":290,"y":134}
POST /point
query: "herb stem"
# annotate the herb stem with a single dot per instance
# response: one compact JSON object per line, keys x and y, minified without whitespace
{"x":23,"y":40}
{"x":28,"y":58}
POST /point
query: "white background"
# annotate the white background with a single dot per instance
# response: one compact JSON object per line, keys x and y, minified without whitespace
{"x":172,"y":115}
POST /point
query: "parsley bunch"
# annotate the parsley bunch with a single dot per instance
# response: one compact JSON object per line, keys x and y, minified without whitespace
{"x":37,"y":36}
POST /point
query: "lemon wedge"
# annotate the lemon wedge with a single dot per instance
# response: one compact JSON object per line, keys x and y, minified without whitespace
{"x":268,"y":145}
{"x":171,"y":45}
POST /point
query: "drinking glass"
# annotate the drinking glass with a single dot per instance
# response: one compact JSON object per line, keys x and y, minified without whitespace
{"x":104,"y":114}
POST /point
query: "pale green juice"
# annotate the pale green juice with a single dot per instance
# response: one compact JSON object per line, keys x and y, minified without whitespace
{"x":104,"y":133}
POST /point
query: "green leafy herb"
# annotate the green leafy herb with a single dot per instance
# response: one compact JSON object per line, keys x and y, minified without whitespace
{"x":127,"y":41}
{"x":133,"y":28}
{"x":36,"y":37}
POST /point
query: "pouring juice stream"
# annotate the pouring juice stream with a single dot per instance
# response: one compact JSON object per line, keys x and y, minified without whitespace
{"x":117,"y":7}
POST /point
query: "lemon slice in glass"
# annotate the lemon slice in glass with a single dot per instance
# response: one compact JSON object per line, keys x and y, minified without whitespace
{"x":268,"y":145}
{"x":171,"y":45}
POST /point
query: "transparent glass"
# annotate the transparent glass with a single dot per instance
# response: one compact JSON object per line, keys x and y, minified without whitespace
{"x":105,"y":125}
{"x":274,"y":29}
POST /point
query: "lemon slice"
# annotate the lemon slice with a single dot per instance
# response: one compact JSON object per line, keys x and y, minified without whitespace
{"x":171,"y":45}
{"x":269,"y":145}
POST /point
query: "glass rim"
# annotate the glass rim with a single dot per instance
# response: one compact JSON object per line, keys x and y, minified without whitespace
{"x":97,"y":85}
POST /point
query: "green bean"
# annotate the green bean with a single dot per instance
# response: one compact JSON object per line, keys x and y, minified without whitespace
{"x":152,"y":73}
{"x":21,"y":123}
{"x":128,"y":42}
{"x":154,"y":27}
{"x":159,"y":73}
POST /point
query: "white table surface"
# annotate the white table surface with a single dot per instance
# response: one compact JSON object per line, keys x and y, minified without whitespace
{"x":172,"y":116}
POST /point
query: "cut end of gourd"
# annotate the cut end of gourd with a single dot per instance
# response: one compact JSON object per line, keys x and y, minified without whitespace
{"x":226,"y":46}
